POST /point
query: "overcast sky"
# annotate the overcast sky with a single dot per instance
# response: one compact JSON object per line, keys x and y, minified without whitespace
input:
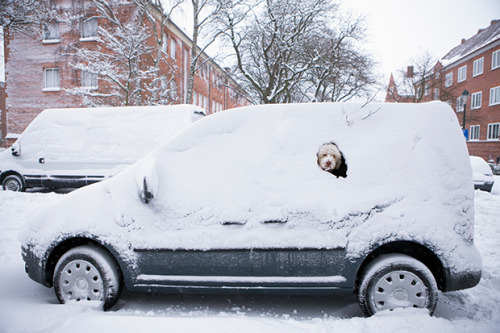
{"x":402,"y":29}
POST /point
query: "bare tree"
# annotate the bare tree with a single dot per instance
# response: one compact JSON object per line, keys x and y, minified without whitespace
{"x":421,"y":81}
{"x":124,"y":61}
{"x":158,"y":14}
{"x":24,"y":14}
{"x":296,"y":50}
{"x":205,"y":31}
{"x":343,"y":70}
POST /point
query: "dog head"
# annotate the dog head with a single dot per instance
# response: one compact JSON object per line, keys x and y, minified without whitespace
{"x":331,"y":159}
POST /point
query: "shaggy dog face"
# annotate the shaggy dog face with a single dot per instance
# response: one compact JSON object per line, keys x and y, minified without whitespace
{"x":331,"y":159}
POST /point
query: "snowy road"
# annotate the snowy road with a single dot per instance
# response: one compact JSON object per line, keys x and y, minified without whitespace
{"x":26,"y":306}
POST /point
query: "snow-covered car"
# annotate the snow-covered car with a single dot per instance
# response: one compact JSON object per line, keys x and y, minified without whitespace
{"x":74,"y":147}
{"x":248,"y":201}
{"x":481,"y":174}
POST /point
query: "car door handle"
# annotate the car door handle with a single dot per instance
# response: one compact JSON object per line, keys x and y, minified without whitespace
{"x":233,"y":222}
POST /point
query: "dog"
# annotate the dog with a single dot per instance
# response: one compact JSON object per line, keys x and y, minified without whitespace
{"x":331,"y":159}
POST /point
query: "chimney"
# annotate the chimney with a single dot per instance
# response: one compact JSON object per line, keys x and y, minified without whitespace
{"x":463,"y":40}
{"x":494,"y":22}
{"x":409,"y":72}
{"x":480,"y":30}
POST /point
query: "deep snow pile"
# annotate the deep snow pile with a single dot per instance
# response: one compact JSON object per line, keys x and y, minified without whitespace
{"x":26,"y":306}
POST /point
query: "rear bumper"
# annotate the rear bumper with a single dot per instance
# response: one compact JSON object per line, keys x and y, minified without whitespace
{"x":464,"y":280}
{"x":34,"y":267}
{"x":484,"y":186}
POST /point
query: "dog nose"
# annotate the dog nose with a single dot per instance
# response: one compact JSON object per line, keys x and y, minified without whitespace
{"x":328,"y":163}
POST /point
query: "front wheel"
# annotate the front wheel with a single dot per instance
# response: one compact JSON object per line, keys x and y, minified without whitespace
{"x":13,"y":183}
{"x":87,"y":273}
{"x":397,"y":281}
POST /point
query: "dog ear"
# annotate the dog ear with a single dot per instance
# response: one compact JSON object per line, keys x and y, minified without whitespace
{"x":341,"y":171}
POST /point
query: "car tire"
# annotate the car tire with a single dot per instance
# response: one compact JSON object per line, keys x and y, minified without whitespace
{"x":396,"y":281}
{"x":13,"y":183}
{"x":88,"y":273}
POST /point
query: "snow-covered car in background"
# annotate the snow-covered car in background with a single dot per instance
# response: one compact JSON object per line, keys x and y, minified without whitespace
{"x":481,"y":174}
{"x":75,"y":147}
{"x":244,"y":202}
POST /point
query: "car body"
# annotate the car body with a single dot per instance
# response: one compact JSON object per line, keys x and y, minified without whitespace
{"x":238,"y":203}
{"x":482,"y":174}
{"x":75,"y":147}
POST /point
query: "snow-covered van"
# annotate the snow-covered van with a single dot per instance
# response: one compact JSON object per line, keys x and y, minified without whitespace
{"x":79,"y":146}
{"x":321,"y":198}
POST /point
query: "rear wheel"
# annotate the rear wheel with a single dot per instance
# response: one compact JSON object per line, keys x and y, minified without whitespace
{"x":87,"y":273}
{"x":13,"y":183}
{"x":397,"y":281}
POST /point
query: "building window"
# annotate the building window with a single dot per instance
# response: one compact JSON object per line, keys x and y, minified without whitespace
{"x":427,"y":89}
{"x":164,"y":43}
{"x":495,"y":59}
{"x":476,"y":100}
{"x":448,"y":80}
{"x":89,"y":28}
{"x":51,"y":79}
{"x":173,"y":48}
{"x":436,"y":94}
{"x":89,"y":80}
{"x":493,"y":131}
{"x":460,"y":104}
{"x":478,"y":67}
{"x":474,"y":133}
{"x":51,"y":32}
{"x":462,"y":74}
{"x":495,"y":95}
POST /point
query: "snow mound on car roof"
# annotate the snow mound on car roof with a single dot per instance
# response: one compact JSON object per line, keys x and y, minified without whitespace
{"x":105,"y":134}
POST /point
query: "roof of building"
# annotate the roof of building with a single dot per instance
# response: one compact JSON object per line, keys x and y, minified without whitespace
{"x":482,"y":38}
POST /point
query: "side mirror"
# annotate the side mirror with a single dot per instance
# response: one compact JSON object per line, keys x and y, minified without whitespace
{"x":147,"y":181}
{"x":16,"y":148}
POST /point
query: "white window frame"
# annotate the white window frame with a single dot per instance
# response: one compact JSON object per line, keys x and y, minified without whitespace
{"x":478,"y":66}
{"x":89,"y":80}
{"x":173,"y":48}
{"x":493,"y":132}
{"x":436,"y":94}
{"x":51,"y":81}
{"x":476,"y":100}
{"x":50,"y":33}
{"x":474,"y":132}
{"x":495,"y":95}
{"x":495,"y":60}
{"x":427,"y":89}
{"x":164,"y":43}
{"x":462,"y":74}
{"x":88,"y":31}
{"x":448,"y":81}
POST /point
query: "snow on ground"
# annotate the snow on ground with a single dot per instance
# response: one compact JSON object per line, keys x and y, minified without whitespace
{"x":26,"y":306}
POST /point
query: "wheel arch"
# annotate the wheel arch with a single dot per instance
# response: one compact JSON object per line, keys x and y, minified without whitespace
{"x":8,"y":173}
{"x":412,"y":249}
{"x":60,"y":249}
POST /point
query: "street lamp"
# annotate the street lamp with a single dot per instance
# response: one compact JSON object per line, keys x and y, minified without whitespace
{"x":463,"y":98}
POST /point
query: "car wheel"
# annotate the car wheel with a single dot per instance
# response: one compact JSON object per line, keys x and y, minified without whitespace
{"x":13,"y":183}
{"x":397,"y":281}
{"x":87,"y":273}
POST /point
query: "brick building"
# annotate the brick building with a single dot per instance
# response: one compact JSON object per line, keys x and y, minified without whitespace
{"x":40,"y":70}
{"x":474,"y":65}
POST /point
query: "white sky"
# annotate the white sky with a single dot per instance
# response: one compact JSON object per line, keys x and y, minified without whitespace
{"x":399,"y":30}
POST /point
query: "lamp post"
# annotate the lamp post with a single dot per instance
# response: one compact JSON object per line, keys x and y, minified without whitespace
{"x":464,"y":96}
